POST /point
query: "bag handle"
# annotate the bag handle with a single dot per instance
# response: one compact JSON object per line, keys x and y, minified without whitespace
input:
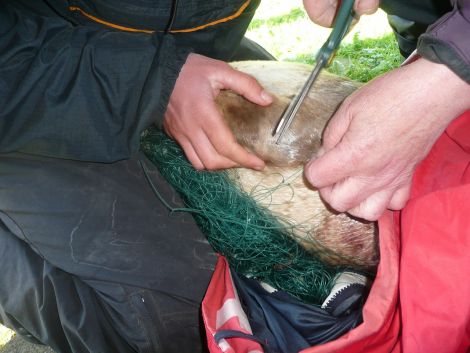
{"x":238,"y":334}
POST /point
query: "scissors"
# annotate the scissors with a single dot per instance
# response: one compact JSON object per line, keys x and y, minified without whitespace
{"x":324,"y":57}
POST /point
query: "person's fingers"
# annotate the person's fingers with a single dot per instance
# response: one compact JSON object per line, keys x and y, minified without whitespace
{"x":334,"y":161}
{"x":245,"y":85}
{"x":337,"y":127}
{"x":349,"y":195}
{"x":187,"y":143}
{"x":241,"y":156}
{"x":399,"y":198}
{"x":167,"y":129}
{"x":366,"y":7}
{"x":225,"y":144}
{"x":192,"y":117}
{"x":346,"y":194}
{"x":332,"y":166}
{"x":373,"y":207}
{"x":191,"y":154}
{"x":321,"y":12}
{"x":207,"y":154}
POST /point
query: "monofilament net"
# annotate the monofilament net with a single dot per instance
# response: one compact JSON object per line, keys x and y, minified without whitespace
{"x":255,"y":243}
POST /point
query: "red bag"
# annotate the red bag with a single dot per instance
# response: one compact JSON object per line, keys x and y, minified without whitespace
{"x":424,"y":307}
{"x":222,"y":310}
{"x":435,"y":259}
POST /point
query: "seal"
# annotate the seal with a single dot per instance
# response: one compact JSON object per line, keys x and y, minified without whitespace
{"x":337,"y":238}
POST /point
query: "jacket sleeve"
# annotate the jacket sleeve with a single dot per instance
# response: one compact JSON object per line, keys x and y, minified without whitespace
{"x":80,"y":92}
{"x":448,"y":40}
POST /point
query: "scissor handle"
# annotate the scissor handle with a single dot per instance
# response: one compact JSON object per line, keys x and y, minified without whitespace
{"x":341,"y":25}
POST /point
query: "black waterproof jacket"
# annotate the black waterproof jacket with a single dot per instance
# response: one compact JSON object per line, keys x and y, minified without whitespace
{"x":81,"y":79}
{"x":447,"y":39}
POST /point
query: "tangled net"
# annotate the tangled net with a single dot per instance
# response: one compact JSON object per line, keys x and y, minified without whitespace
{"x":255,"y":243}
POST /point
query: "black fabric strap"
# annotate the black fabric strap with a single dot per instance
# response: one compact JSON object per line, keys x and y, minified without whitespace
{"x":222,"y":334}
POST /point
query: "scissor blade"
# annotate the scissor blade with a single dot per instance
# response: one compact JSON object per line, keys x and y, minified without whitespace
{"x":327,"y":51}
{"x":289,"y":114}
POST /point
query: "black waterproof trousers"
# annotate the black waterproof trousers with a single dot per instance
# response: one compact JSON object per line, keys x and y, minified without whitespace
{"x":92,"y":261}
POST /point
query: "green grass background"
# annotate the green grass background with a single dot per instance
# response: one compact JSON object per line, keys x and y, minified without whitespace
{"x":284,"y":29}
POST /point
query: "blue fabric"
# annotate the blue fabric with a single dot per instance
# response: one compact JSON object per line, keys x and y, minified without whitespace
{"x":286,"y":324}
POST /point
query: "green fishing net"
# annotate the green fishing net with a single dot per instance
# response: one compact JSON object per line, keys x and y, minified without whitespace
{"x":255,"y":243}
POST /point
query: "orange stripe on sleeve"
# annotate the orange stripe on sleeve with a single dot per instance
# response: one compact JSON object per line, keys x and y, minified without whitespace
{"x":213,"y":23}
{"x":106,"y":23}
{"x":130,"y":29}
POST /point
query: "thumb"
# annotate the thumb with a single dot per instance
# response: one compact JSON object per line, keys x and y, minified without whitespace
{"x":247,"y":86}
{"x":330,"y":168}
{"x":366,"y":7}
{"x":332,"y":162}
{"x":337,"y":127}
{"x":321,"y":12}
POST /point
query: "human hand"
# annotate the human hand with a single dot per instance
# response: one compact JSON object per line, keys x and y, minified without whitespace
{"x":193,"y":120}
{"x":323,"y":12}
{"x":380,"y":133}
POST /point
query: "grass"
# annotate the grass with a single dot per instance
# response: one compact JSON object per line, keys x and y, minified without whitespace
{"x":292,"y":16}
{"x":363,"y":59}
{"x":367,"y":51}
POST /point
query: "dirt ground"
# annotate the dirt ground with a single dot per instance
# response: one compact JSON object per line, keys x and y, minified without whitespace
{"x":19,"y":345}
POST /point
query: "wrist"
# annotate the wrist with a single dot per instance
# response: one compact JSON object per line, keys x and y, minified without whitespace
{"x":449,"y":93}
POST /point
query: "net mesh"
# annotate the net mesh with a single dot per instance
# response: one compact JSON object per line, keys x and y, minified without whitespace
{"x":255,"y":243}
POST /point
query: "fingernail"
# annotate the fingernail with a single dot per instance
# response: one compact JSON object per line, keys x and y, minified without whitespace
{"x":266,"y":96}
